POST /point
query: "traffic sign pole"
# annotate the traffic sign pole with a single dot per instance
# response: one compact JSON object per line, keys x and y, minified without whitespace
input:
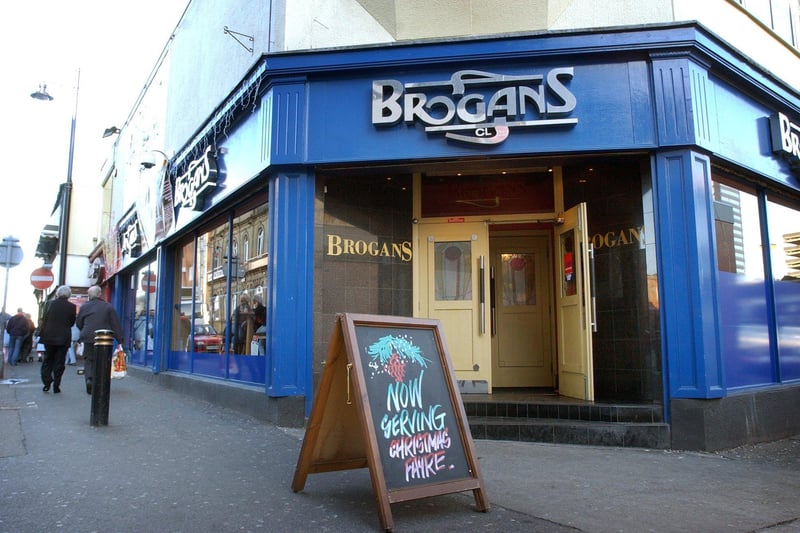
{"x":10,"y":256}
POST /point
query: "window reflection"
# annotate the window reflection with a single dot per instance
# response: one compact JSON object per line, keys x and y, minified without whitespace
{"x":742,"y":296}
{"x":219,"y":326}
{"x":569,"y":286}
{"x":783,"y":223}
{"x":144,"y":315}
{"x":738,"y":230}
{"x":184,"y":306}
{"x":260,"y":246}
{"x":784,"y":241}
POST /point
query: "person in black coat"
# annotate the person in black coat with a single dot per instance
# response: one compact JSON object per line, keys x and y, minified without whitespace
{"x":17,"y":328}
{"x":94,"y":315}
{"x":55,"y":334}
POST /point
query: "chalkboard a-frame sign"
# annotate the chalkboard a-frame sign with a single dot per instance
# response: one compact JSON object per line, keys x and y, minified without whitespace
{"x":388,"y":401}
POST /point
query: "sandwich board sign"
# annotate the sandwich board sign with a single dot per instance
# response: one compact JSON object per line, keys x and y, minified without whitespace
{"x":388,"y":401}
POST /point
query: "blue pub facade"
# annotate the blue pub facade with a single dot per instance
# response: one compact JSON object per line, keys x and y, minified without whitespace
{"x":612,"y":218}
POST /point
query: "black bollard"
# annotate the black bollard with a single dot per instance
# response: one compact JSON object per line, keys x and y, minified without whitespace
{"x":101,"y":379}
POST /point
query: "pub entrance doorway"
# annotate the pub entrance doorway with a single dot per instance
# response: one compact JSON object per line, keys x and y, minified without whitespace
{"x":515,"y":304}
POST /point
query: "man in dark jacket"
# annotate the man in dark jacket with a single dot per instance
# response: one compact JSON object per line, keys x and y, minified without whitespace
{"x":54,"y":333}
{"x":17,"y":328}
{"x":94,"y":315}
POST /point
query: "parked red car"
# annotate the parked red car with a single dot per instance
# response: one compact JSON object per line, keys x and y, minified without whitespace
{"x":206,"y":339}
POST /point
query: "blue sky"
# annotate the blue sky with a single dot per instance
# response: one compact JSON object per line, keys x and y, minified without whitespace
{"x":115,"y":44}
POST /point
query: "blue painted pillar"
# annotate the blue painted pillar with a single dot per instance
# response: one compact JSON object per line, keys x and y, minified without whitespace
{"x":687,"y":275}
{"x":290,"y":281}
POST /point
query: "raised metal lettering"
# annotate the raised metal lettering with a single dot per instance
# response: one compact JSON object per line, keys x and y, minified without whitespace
{"x":482,"y":106}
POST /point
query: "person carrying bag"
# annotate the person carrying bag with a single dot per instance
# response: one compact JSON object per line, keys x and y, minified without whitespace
{"x":94,"y":315}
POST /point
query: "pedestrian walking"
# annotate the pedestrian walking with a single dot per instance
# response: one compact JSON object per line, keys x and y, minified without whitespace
{"x":27,"y":342}
{"x":55,"y":333}
{"x":17,"y":328}
{"x":94,"y":315}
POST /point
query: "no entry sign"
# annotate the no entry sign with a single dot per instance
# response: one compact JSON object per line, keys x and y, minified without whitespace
{"x":42,"y":278}
{"x":149,"y":282}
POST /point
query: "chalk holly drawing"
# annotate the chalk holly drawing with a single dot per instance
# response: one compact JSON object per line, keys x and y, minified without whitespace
{"x":391,"y":354}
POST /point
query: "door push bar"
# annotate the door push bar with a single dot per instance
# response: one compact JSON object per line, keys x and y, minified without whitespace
{"x":483,"y":296}
{"x":592,"y":286}
{"x":493,"y":300}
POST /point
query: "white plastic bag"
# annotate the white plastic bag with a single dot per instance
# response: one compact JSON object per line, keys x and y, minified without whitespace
{"x":119,"y":365}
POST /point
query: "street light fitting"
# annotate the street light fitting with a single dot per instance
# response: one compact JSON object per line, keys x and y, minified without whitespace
{"x":113,"y":130}
{"x":150,"y":163}
{"x":42,"y":93}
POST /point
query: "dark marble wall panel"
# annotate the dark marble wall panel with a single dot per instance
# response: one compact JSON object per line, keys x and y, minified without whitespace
{"x":626,"y":347}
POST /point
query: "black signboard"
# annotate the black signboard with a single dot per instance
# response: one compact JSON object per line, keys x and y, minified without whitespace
{"x":412,"y":411}
{"x":388,"y":401}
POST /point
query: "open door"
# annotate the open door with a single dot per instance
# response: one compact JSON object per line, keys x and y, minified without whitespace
{"x":455,"y":291}
{"x":574,"y":306}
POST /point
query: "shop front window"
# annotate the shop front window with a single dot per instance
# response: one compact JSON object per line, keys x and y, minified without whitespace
{"x":142,"y":334}
{"x":183,"y":309}
{"x":738,"y":231}
{"x":220,"y":329}
{"x":783,"y":222}
{"x":742,"y":296}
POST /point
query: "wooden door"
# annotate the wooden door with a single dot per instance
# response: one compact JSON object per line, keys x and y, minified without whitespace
{"x":574,"y":306}
{"x":522,"y":334}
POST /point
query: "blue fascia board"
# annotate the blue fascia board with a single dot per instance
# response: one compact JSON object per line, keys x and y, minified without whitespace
{"x":635,"y":46}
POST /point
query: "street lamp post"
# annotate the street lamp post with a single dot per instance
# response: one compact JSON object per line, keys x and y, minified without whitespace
{"x":66,"y":188}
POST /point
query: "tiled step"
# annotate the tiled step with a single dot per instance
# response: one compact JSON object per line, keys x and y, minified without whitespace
{"x":566,"y":410}
{"x":559,"y":431}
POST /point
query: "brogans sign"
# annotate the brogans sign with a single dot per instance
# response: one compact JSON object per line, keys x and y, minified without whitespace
{"x":478,"y":107}
{"x":786,"y":138}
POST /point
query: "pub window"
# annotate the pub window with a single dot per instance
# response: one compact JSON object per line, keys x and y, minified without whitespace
{"x":144,"y":314}
{"x":783,"y":221}
{"x":742,"y":295}
{"x":219,"y":320}
{"x":183,"y":282}
{"x":737,"y":229}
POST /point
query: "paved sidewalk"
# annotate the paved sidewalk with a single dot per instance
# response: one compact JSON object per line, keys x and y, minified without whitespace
{"x":167,"y":462}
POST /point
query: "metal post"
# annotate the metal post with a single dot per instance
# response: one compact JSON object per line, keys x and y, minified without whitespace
{"x":101,"y":379}
{"x":3,"y":318}
{"x":66,"y":193}
{"x":12,"y":253}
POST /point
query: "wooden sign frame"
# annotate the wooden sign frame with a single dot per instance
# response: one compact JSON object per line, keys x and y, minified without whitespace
{"x":372,"y":393}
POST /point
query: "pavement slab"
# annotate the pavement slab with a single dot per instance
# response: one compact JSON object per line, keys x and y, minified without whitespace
{"x":168,"y":462}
